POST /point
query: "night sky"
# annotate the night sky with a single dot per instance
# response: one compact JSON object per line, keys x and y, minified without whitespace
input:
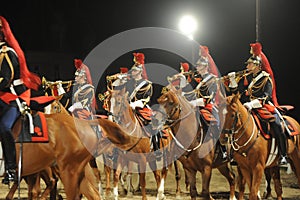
{"x":53,"y":33}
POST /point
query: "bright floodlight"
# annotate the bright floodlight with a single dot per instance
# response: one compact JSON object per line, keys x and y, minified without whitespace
{"x":188,"y":25}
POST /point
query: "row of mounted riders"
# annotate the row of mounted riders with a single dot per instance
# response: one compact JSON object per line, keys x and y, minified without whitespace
{"x":194,"y":147}
{"x":241,"y":148}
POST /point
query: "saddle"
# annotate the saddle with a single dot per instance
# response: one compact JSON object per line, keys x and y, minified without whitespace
{"x":264,"y":126}
{"x":40,"y":133}
{"x":207,"y":116}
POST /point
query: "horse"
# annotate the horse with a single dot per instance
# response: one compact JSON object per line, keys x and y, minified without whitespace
{"x":251,"y":150}
{"x":195,"y":152}
{"x":65,"y":148}
{"x":33,"y":182}
{"x":141,"y":152}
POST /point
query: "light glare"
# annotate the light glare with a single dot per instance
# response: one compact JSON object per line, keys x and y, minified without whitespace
{"x":187,"y":25}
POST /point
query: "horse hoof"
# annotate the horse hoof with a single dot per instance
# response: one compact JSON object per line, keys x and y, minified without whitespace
{"x":161,"y":197}
{"x":129,"y":194}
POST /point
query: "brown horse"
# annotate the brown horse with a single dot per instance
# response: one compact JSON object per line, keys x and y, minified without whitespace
{"x":65,"y":148}
{"x":194,"y":151}
{"x":141,"y":152}
{"x":33,"y":182}
{"x":251,"y":150}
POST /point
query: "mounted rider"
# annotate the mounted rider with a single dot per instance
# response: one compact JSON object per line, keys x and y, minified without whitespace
{"x":258,"y":93}
{"x":83,"y":102}
{"x":140,"y":91}
{"x":181,"y":79}
{"x":15,"y":84}
{"x":206,"y":93}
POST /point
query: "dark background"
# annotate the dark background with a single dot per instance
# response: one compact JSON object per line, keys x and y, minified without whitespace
{"x":53,"y":33}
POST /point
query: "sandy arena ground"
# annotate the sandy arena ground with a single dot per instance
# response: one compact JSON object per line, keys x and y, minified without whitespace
{"x":219,"y":187}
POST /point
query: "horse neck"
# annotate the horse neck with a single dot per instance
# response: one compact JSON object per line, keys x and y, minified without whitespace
{"x":246,"y":128}
{"x":187,"y":125}
{"x":128,"y":121}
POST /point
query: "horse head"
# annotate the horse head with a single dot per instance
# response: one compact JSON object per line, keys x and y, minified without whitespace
{"x":169,"y":105}
{"x":55,"y":107}
{"x":234,"y":108}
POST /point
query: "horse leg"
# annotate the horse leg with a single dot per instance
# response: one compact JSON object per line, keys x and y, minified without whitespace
{"x":206,"y":177}
{"x":160,"y":181}
{"x":130,"y":187}
{"x":142,"y":177}
{"x":177,"y":178}
{"x":89,"y":184}
{"x":107,"y":171}
{"x":186,"y":181}
{"x":49,"y":178}
{"x":295,"y":163}
{"x":71,"y":179}
{"x":230,"y":176}
{"x":116,"y":178}
{"x":268,"y":176}
{"x":12,"y":191}
{"x":33,"y":183}
{"x":257,"y":174}
{"x":241,"y":184}
{"x":93,"y":164}
{"x":191,"y":177}
{"x":275,"y":171}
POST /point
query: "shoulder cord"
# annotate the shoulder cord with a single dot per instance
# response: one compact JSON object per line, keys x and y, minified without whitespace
{"x":137,"y":89}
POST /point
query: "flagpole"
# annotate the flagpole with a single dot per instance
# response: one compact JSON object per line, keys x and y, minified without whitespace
{"x":257,"y":17}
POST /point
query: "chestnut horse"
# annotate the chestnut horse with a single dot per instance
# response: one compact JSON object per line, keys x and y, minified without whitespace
{"x":251,"y":150}
{"x":141,"y":152}
{"x":65,"y":148}
{"x":190,"y":146}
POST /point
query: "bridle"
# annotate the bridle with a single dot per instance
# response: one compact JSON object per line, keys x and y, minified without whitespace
{"x":241,"y":130}
{"x":118,"y":116}
{"x":172,"y":122}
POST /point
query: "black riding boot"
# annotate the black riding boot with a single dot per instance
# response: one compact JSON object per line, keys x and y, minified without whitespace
{"x":156,"y":146}
{"x":281,"y":140}
{"x":9,"y":150}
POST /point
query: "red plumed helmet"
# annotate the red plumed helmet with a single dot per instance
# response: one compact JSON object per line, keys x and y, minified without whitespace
{"x":77,"y":63}
{"x":204,"y":53}
{"x":139,"y":58}
{"x":256,"y":50}
{"x":123,"y":70}
{"x":139,"y":64}
{"x":30,"y":79}
{"x":83,"y":69}
{"x":185,"y":67}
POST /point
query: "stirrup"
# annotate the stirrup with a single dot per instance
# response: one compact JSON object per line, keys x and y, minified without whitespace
{"x":158,"y":154}
{"x":10,"y":176}
{"x":224,"y":155}
{"x":283,"y":160}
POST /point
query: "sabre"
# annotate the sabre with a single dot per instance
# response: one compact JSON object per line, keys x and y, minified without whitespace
{"x":281,"y":119}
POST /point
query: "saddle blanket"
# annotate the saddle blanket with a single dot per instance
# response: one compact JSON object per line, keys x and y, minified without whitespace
{"x":40,"y":130}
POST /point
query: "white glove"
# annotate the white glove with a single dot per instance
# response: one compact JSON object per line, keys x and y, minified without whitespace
{"x":253,"y":104}
{"x":76,"y":105}
{"x":60,"y":89}
{"x":197,"y":102}
{"x":233,"y":83}
{"x":138,"y":103}
{"x":121,"y":76}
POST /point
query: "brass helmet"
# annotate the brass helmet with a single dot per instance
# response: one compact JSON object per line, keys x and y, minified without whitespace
{"x":202,"y":61}
{"x":254,"y":59}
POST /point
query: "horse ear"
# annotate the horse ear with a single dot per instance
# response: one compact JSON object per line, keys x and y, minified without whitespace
{"x":236,"y":97}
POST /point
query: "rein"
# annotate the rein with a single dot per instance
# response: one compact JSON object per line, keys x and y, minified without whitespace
{"x":118,"y":121}
{"x":173,"y":122}
{"x":234,"y":142}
